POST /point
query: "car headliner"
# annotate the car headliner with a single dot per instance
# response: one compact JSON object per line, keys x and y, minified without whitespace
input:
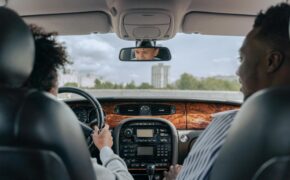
{"x":69,"y":17}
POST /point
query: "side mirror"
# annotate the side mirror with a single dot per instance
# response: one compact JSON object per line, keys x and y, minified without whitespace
{"x":145,"y":54}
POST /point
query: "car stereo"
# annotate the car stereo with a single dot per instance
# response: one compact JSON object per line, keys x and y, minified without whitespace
{"x":146,"y":141}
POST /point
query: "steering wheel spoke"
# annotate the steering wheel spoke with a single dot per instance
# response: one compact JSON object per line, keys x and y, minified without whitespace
{"x":99,"y":120}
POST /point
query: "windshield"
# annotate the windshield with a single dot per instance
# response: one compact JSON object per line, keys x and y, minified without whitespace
{"x":199,"y":63}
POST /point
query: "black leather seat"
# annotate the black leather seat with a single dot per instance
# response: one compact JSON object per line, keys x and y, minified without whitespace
{"x":40,"y":138}
{"x":258,"y":143}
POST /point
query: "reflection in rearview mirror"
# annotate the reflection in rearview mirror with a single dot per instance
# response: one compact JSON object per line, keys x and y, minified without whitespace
{"x":145,"y":54}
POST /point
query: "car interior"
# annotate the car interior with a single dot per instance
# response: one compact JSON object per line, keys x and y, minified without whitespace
{"x":151,"y":129}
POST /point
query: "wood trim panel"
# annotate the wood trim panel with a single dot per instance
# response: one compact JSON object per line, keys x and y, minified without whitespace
{"x":189,"y":115}
{"x":199,"y":115}
{"x":178,"y":119}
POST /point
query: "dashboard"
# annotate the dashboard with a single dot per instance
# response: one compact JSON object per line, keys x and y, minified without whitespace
{"x":184,"y":115}
{"x":146,"y":132}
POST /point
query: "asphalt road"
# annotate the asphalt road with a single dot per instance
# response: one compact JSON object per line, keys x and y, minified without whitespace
{"x":168,"y":94}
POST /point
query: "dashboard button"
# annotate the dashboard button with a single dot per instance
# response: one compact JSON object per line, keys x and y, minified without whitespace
{"x":128,"y":132}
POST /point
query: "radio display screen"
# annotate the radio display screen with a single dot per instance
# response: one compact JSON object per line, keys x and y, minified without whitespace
{"x":145,"y":151}
{"x":144,"y":132}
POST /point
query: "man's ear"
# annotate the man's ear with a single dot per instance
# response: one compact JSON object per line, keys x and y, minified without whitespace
{"x":54,"y":91}
{"x":274,"y":61}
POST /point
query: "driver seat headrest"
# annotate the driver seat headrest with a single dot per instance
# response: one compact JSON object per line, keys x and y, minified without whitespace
{"x":16,"y":49}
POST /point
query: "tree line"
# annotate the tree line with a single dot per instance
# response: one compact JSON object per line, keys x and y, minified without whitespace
{"x":185,"y":82}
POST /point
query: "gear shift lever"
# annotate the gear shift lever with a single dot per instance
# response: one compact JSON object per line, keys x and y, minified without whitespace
{"x":150,"y":171}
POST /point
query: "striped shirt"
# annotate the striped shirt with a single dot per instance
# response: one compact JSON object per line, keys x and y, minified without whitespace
{"x":203,"y":153}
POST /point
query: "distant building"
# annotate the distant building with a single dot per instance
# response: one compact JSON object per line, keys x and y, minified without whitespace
{"x":70,"y":76}
{"x":160,"y":75}
{"x":86,"y":80}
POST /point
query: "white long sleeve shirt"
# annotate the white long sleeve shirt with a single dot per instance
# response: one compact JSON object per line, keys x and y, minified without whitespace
{"x":113,"y":168}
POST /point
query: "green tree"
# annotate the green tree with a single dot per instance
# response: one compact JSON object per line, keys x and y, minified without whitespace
{"x":213,"y":83}
{"x":98,"y":83}
{"x":118,"y":86}
{"x":170,"y":86}
{"x":107,"y":85}
{"x":145,"y":85}
{"x":187,"y":81}
{"x":71,"y":84}
{"x":131,"y":85}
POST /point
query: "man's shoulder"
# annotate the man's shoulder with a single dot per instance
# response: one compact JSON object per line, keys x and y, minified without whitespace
{"x":225,"y":114}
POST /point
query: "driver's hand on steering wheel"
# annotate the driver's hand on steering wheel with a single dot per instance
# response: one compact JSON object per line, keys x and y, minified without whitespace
{"x":102,"y":138}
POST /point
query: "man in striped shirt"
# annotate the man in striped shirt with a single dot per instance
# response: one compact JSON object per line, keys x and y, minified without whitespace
{"x":204,"y":151}
{"x":265,"y":62}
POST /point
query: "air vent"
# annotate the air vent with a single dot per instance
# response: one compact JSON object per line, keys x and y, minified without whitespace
{"x":162,"y":109}
{"x":145,"y":109}
{"x":128,"y":109}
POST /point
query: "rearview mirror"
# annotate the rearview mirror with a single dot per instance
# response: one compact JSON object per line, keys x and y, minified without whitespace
{"x":145,"y":54}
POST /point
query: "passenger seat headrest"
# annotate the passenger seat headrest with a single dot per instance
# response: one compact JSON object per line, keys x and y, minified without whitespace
{"x":16,"y":49}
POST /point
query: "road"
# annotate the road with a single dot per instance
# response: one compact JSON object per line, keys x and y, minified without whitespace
{"x":167,"y":94}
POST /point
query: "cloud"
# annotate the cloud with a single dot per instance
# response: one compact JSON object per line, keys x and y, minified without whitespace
{"x":88,"y":49}
{"x":105,"y":69}
{"x":134,"y":76}
{"x":94,"y":48}
{"x":86,"y":67}
{"x":222,"y":60}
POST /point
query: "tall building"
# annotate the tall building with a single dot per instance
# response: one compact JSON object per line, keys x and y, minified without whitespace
{"x":160,"y":75}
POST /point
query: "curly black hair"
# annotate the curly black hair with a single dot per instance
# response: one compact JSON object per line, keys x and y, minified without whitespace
{"x":49,"y":57}
{"x":273,"y":26}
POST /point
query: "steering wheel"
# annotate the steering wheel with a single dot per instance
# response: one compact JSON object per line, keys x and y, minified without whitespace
{"x":99,"y":121}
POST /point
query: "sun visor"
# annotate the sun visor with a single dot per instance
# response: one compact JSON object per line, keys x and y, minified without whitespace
{"x":146,"y":25}
{"x":73,"y":23}
{"x":217,"y":24}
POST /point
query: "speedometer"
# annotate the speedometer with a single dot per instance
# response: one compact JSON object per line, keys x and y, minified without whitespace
{"x":93,"y":115}
{"x":81,"y":113}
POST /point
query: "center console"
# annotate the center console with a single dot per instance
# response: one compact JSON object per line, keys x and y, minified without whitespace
{"x":146,"y":142}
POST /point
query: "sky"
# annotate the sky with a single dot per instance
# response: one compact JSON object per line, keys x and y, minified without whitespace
{"x":199,"y":55}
